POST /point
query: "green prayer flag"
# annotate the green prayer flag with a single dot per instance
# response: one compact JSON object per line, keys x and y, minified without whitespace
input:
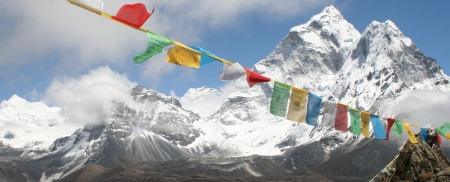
{"x":155,"y":45}
{"x":355,"y":118}
{"x":443,"y":129}
{"x":280,"y":97}
{"x":397,"y":127}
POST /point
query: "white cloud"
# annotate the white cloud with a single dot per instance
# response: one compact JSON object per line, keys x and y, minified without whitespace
{"x":422,"y":107}
{"x":89,"y":98}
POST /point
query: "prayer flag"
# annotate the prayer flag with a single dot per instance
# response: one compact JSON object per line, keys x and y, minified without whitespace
{"x":397,"y":128}
{"x":254,"y":78}
{"x":155,"y":45}
{"x":415,"y":125}
{"x":329,"y":113}
{"x":297,"y":105}
{"x":341,"y":122}
{"x":355,"y":118}
{"x":133,"y":15}
{"x":378,"y":128}
{"x":424,"y":133}
{"x":232,"y":72}
{"x":412,"y":137}
{"x":313,"y":112}
{"x":439,"y":140}
{"x":390,"y":124}
{"x":280,"y":96}
{"x":204,"y":58}
{"x":184,"y":56}
{"x":95,"y":6}
{"x":365,"y":120}
{"x":443,"y":130}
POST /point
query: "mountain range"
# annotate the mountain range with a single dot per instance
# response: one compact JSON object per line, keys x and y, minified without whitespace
{"x":161,"y":137}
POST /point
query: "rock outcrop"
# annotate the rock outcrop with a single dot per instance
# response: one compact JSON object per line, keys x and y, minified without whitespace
{"x":417,"y":162}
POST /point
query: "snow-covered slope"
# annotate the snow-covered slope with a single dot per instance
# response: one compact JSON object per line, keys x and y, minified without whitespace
{"x":156,"y":128}
{"x":312,"y":52}
{"x":383,"y":66}
{"x":203,"y":101}
{"x":31,"y":125}
{"x":309,"y":55}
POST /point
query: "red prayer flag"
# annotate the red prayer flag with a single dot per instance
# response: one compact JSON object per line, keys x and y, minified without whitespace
{"x":134,"y":15}
{"x":254,"y":78}
{"x":341,"y":122}
{"x":390,"y":124}
{"x":439,"y":140}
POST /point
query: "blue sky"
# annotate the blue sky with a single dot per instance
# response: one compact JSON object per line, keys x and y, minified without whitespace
{"x":45,"y":40}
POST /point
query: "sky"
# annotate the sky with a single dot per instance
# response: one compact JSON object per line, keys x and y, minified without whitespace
{"x":47,"y":45}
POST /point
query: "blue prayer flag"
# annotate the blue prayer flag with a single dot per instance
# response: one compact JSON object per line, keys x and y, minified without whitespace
{"x":378,"y":128}
{"x":313,"y":110}
{"x":424,"y":133}
{"x":204,"y":58}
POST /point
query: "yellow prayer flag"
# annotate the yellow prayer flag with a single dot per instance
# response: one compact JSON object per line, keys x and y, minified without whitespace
{"x":184,"y":56}
{"x":297,"y":105}
{"x":415,"y":125}
{"x":410,"y":133}
{"x":365,"y":121}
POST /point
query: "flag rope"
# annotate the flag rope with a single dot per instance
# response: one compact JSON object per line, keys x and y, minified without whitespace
{"x":108,"y":16}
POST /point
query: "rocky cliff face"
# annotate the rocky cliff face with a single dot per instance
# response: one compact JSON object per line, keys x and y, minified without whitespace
{"x":417,"y":162}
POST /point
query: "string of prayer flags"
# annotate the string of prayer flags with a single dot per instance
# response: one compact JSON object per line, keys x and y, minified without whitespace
{"x":203,"y":57}
{"x":443,"y":130}
{"x":341,"y":121}
{"x":254,"y":78}
{"x":410,"y":133}
{"x":280,"y":96}
{"x":365,"y":120}
{"x":134,"y":15}
{"x":94,"y":5}
{"x":329,"y":113}
{"x":297,"y":105}
{"x":232,"y":72}
{"x":424,"y":133}
{"x":378,"y":128}
{"x":155,"y":45}
{"x":313,"y":112}
{"x":183,"y":55}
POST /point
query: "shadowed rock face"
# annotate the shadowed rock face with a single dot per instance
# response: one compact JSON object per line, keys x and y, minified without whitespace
{"x":417,"y":162}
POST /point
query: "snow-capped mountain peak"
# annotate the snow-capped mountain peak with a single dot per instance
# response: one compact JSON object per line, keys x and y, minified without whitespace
{"x":31,"y":125}
{"x":203,"y":101}
{"x":330,"y":23}
{"x":198,"y":93}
